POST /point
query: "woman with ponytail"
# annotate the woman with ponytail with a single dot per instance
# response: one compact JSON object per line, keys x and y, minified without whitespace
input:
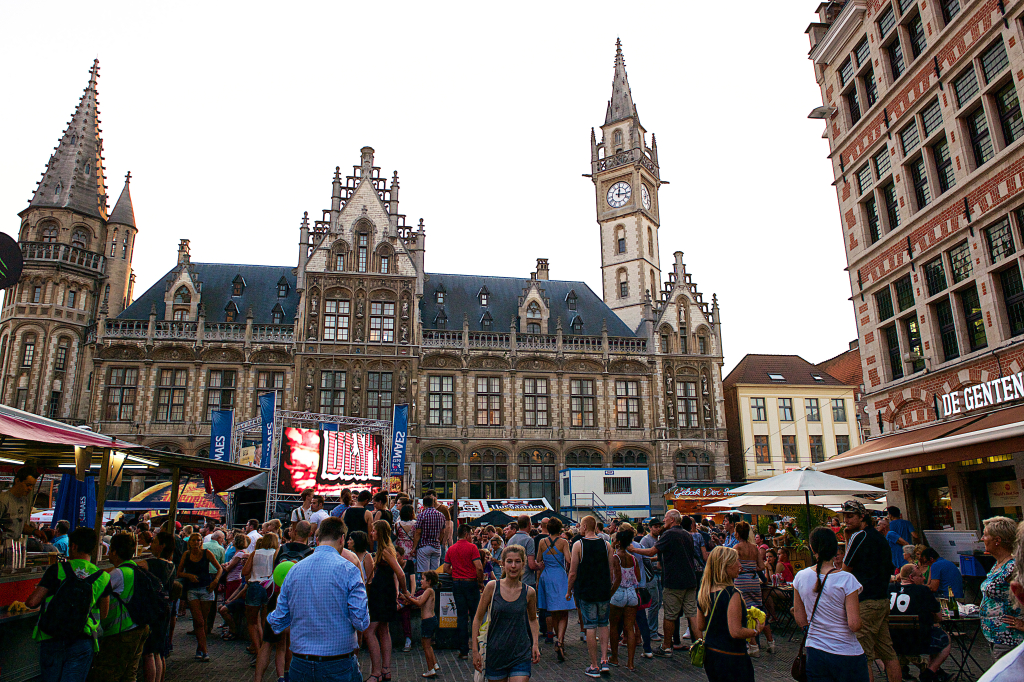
{"x":828,"y":600}
{"x":722,"y":619}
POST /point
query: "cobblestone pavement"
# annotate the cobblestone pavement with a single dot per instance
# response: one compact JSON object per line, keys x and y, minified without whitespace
{"x":230,"y":661}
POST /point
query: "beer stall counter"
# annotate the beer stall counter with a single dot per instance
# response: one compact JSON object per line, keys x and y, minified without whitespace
{"x":53,"y":447}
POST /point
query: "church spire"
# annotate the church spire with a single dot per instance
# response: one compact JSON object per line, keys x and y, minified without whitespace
{"x":620,"y":106}
{"x":74,"y":176}
{"x":123,"y":213}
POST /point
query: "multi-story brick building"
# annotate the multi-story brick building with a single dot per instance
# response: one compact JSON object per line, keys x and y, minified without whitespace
{"x":509,"y":379}
{"x":922,"y":114}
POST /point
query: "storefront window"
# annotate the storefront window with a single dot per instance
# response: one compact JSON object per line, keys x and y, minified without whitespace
{"x":933,"y":500}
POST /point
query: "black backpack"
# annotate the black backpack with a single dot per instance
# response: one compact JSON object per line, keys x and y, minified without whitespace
{"x":289,"y":554}
{"x":150,"y":603}
{"x":66,"y":615}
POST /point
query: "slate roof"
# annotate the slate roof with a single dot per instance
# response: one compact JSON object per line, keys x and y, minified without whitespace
{"x":754,"y":369}
{"x":74,"y":176}
{"x":260,"y":293}
{"x":620,"y":106}
{"x":503,"y":304}
{"x":123,"y":213}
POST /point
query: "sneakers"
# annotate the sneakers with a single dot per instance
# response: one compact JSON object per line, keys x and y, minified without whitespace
{"x":430,"y":673}
{"x":648,"y":654}
{"x":771,"y":646}
{"x":592,"y":671}
{"x":408,"y":645}
{"x":199,"y":654}
{"x":605,"y":668}
{"x":583,"y":636}
{"x":662,"y":653}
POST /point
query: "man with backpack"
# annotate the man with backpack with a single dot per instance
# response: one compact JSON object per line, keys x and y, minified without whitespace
{"x":74,"y":598}
{"x":298,"y":548}
{"x":135,"y":600}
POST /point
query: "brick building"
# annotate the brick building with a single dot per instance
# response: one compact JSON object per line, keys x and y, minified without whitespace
{"x":922,"y":114}
{"x":509,"y":379}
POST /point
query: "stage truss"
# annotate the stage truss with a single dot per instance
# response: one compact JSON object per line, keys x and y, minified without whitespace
{"x":252,"y":430}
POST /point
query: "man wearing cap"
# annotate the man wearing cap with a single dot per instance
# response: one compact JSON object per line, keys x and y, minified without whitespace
{"x":868,"y":558}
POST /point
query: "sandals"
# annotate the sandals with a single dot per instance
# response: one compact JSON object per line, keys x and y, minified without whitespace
{"x":560,"y":651}
{"x":385,"y":676}
{"x":228,"y":636}
{"x":375,"y":678}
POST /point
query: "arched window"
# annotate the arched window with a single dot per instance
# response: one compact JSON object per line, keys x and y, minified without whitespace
{"x":113,"y":244}
{"x":654,"y":284}
{"x":385,"y":261}
{"x":650,"y":243}
{"x":3,"y":354}
{"x":693,"y":466}
{"x":60,"y":361}
{"x":440,"y":472}
{"x":49,"y":233}
{"x":80,"y":239}
{"x":182,"y":296}
{"x":28,"y":350}
{"x":618,"y":137}
{"x":630,"y":458}
{"x":363,"y":242}
{"x":169,"y":447}
{"x":124,"y":245}
{"x":623,"y":284}
{"x":584,"y":457}
{"x":337,"y":261}
{"x":69,"y":301}
{"x":533,"y":319}
{"x":620,"y":239}
{"x":537,"y":477}
{"x":702,"y":344}
{"x":488,"y":474}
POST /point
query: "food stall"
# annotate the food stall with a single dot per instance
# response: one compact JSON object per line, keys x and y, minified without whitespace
{"x":53,"y":447}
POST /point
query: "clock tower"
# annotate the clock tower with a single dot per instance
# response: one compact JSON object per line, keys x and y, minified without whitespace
{"x":626,"y":180}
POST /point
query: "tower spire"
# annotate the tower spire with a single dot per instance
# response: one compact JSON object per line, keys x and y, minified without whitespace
{"x":620,"y":106}
{"x":74,"y":177}
{"x":123,"y":213}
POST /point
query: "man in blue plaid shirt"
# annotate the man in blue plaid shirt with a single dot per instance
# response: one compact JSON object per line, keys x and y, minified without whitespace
{"x":323,"y":601}
{"x":427,"y":536}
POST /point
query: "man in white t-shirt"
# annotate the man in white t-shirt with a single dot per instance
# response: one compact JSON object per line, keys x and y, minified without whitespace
{"x":1010,"y":667}
{"x":252,"y":531}
{"x":303,"y":512}
{"x":318,"y":512}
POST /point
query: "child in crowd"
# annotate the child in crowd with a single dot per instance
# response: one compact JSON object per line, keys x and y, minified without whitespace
{"x":488,"y":566}
{"x":424,"y":598}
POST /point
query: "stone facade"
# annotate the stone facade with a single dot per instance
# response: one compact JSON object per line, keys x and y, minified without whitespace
{"x":509,"y":379}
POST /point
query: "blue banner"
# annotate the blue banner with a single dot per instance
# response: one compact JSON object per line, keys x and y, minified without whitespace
{"x":267,"y":408}
{"x":399,"y":436}
{"x":76,"y":502}
{"x":221,"y":422}
{"x":328,"y":426}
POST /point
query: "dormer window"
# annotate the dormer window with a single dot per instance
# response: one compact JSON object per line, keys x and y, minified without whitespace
{"x":577,"y":325}
{"x":441,"y":321}
{"x":484,"y":296}
{"x":180,"y":315}
{"x":439,"y":293}
{"x":182,"y":296}
{"x":237,"y":286}
{"x":570,"y":300}
{"x":776,"y":377}
{"x":282,"y":288}
{"x":533,"y":318}
{"x":486,"y":323}
{"x":277,"y":314}
{"x":818,"y":378}
{"x":231,"y":312}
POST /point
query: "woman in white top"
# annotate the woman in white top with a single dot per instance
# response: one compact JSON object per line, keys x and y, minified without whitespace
{"x":829,"y":599}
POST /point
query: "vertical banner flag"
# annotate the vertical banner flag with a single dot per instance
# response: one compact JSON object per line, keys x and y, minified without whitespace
{"x":399,"y":433}
{"x":220,"y":434}
{"x":267,"y":408}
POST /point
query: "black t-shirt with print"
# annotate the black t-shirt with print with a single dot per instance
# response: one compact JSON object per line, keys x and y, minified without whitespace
{"x":869,"y":559}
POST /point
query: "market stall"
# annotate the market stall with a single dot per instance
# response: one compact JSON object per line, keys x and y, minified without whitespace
{"x":56,"y":448}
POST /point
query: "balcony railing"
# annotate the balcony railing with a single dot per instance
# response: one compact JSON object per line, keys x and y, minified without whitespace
{"x":127,"y":329}
{"x":185,"y":331}
{"x":448,"y":338}
{"x":225,"y":331}
{"x":165,"y":330}
{"x":64,"y":254}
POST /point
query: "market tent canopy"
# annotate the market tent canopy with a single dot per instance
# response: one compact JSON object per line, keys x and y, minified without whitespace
{"x":566,"y":521}
{"x":992,"y":434}
{"x":804,"y":483}
{"x":22,"y":433}
{"x":492,"y":518}
{"x":257,"y":482}
{"x":784,"y":504}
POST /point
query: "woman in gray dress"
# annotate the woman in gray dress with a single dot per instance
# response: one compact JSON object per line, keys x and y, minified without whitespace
{"x":513,"y":632}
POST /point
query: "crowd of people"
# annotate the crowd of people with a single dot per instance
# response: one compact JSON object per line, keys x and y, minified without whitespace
{"x":656,"y":590}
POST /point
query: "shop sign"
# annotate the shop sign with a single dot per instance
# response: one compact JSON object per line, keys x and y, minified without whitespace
{"x":681,"y":492}
{"x":1003,"y":494}
{"x":794,"y":509}
{"x":993,"y":392}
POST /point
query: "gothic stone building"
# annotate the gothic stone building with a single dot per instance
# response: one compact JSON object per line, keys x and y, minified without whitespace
{"x":510,"y":378}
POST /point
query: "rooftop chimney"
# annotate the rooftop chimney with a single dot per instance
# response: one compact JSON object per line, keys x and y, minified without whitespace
{"x":183,"y":253}
{"x":542,"y":268}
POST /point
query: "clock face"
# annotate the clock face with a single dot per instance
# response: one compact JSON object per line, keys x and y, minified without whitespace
{"x":645,"y":197}
{"x":619,"y":194}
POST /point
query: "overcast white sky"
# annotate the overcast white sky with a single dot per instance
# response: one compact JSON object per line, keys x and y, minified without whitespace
{"x":232,"y":117}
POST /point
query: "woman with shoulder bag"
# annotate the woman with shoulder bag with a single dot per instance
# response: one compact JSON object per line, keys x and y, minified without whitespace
{"x":826,"y":601}
{"x":722,"y":618}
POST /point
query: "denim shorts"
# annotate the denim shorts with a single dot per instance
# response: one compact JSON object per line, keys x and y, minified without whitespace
{"x":521,"y":669}
{"x":201,"y":594}
{"x":825,"y":667}
{"x":256,"y":595}
{"x":939,"y":641}
{"x":594,"y":614}
{"x":625,"y":596}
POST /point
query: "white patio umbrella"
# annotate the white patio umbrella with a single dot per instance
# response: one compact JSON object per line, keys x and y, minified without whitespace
{"x":807,"y":483}
{"x":758,"y":504}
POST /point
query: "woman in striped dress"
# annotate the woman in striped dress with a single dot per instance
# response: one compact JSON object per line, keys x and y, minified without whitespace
{"x":749,"y":582}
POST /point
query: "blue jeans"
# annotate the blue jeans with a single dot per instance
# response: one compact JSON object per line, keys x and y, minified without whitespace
{"x":654,"y":610}
{"x":65,"y":661}
{"x":645,"y":629}
{"x":467,"y":598}
{"x":825,"y":667}
{"x":342,"y":670}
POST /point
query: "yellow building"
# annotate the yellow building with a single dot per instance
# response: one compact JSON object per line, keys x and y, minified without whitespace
{"x":783,"y":413}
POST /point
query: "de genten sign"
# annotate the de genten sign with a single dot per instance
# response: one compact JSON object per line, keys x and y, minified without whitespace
{"x":989,"y":393}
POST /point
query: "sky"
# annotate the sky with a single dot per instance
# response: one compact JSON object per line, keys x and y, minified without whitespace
{"x":232,"y":117}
